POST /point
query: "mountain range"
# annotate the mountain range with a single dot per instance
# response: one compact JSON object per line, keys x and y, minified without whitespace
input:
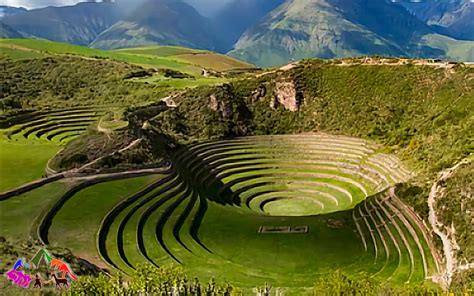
{"x":263,"y":32}
{"x":453,"y":18}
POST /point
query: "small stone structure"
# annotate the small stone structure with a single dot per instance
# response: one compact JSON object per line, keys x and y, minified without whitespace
{"x":283,"y":229}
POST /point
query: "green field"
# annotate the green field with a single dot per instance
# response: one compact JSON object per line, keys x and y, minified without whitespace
{"x":205,"y":59}
{"x":206,"y":212}
{"x":180,"y":59}
{"x":23,"y":161}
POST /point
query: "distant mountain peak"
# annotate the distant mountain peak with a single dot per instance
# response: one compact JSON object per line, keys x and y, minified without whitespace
{"x":10,"y":10}
{"x":165,"y":22}
{"x":335,"y":28}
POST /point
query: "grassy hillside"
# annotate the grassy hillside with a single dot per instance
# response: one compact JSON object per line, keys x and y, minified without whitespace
{"x":66,"y":81}
{"x":205,"y":59}
{"x":124,"y":77}
{"x":424,"y":114}
{"x":156,"y":57}
{"x":401,"y":106}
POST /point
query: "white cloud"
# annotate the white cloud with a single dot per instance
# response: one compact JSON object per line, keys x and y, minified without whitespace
{"x":39,"y":3}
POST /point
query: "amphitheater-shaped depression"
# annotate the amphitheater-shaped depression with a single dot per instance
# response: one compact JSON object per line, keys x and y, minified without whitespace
{"x":298,"y":175}
{"x":331,"y":196}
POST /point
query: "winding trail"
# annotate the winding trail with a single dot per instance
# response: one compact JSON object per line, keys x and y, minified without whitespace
{"x":128,"y":147}
{"x":448,"y":239}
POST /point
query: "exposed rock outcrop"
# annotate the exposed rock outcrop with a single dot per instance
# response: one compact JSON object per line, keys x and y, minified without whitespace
{"x":222,"y":106}
{"x":287,"y":95}
{"x":259,"y":93}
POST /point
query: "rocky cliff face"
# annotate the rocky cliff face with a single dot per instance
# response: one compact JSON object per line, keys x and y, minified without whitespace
{"x":287,"y":96}
{"x":223,"y":107}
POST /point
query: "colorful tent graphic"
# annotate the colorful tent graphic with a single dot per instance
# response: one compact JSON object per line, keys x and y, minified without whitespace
{"x":19,"y":278}
{"x":41,"y":254}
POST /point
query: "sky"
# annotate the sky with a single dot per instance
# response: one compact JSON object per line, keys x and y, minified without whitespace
{"x":204,"y":6}
{"x":38,"y":3}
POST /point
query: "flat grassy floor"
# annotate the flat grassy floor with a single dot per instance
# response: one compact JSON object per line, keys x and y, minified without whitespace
{"x":77,"y":223}
{"x":293,"y":207}
{"x":20,"y":214}
{"x":23,"y":161}
{"x":287,"y":260}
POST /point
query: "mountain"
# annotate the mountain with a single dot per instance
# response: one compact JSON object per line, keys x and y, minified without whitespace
{"x":165,"y":22}
{"x":451,"y":18}
{"x":208,"y":8}
{"x":9,"y":10}
{"x":237,"y":16}
{"x":7,"y":32}
{"x":79,"y":24}
{"x":339,"y":28}
{"x":263,"y":32}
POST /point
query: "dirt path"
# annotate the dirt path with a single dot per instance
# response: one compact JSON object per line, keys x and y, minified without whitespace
{"x":102,"y":129}
{"x":448,"y":238}
{"x":130,"y":146}
{"x":282,"y":68}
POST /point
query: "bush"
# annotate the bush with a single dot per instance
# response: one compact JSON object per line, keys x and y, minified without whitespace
{"x":148,"y":280}
{"x":340,"y":284}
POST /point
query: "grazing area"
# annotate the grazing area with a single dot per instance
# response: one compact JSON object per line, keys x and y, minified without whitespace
{"x":317,"y":171}
{"x":170,"y":57}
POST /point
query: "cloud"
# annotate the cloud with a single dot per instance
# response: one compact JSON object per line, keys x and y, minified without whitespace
{"x":39,"y":3}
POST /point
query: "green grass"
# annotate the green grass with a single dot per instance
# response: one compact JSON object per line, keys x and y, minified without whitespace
{"x":20,"y":215}
{"x":19,"y":53}
{"x":162,"y":51}
{"x":77,"y":229}
{"x":239,"y":254}
{"x":156,"y":57}
{"x":232,"y":250}
{"x":457,"y":50}
{"x":293,"y":207}
{"x":113,"y":125}
{"x":201,"y":58}
{"x":23,"y":161}
{"x":51,"y":47}
{"x":181,"y":83}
